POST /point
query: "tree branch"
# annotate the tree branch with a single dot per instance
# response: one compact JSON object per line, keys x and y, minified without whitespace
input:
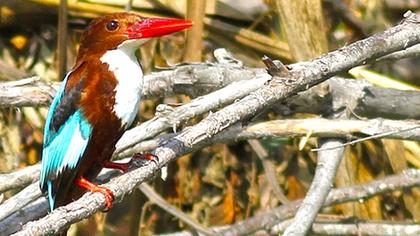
{"x":168,"y":117}
{"x":20,"y":200}
{"x":269,"y":170}
{"x":361,"y":228}
{"x":191,"y":79}
{"x":327,"y":165}
{"x":411,"y":52}
{"x":19,"y":178}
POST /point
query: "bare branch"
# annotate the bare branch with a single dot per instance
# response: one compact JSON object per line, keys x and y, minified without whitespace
{"x":191,"y":79}
{"x":355,"y":97}
{"x":361,"y":228}
{"x":19,"y":178}
{"x":270,"y":172}
{"x":20,"y":200}
{"x":14,"y":222}
{"x":411,"y":52}
{"x":328,"y":161}
{"x":381,"y":135}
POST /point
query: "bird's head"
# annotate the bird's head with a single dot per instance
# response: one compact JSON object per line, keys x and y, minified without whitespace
{"x":111,"y":31}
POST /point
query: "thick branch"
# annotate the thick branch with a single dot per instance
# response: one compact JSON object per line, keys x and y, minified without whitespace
{"x":355,"y":97}
{"x":191,"y":79}
{"x":19,"y":178}
{"x":34,"y":210}
{"x":198,"y":79}
{"x":20,"y":200}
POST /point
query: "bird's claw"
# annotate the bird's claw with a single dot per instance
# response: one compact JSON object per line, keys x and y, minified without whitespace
{"x":86,"y":184}
{"x":146,"y":156}
{"x":109,"y":196}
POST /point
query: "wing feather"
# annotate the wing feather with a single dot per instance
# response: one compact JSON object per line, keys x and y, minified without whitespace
{"x":64,"y":153}
{"x":66,"y":135}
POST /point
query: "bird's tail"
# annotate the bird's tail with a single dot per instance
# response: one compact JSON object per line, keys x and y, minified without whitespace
{"x":51,"y":201}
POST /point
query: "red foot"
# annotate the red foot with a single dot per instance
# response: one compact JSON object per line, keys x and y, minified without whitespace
{"x":109,"y":196}
{"x":146,"y":156}
{"x":125,"y":166}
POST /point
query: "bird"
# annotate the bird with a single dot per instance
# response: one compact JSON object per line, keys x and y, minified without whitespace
{"x":96,"y":102}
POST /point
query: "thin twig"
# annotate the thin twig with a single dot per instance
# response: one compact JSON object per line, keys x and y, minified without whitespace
{"x":382,"y":135}
{"x":270,"y":173}
{"x":158,"y":200}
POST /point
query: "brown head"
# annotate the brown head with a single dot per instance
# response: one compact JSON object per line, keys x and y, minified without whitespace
{"x":110,"y":31}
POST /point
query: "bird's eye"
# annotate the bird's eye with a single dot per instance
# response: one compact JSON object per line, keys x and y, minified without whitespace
{"x":112,"y":25}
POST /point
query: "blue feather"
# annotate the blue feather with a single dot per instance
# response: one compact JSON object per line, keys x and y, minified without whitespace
{"x":51,"y":198}
{"x":63,"y":148}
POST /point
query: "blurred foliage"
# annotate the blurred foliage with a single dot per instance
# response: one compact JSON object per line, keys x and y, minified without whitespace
{"x":223,"y":183}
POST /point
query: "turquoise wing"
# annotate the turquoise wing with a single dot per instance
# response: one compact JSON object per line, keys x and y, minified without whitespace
{"x":66,"y":136}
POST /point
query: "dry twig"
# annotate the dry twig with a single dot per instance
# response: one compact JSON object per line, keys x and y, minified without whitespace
{"x":327,"y":166}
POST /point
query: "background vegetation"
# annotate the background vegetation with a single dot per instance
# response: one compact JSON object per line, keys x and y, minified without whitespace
{"x":226,"y":182}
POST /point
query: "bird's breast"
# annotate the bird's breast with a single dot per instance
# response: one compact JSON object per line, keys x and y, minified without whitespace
{"x":129,"y":76}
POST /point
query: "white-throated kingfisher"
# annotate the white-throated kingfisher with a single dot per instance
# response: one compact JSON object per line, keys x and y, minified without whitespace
{"x":97,"y":101}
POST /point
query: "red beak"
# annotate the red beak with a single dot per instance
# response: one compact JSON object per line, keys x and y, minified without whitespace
{"x":155,"y":27}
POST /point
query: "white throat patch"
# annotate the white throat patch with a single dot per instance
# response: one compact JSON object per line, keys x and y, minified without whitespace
{"x":129,"y":75}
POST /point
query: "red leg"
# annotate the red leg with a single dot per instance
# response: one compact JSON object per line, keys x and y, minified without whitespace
{"x":125,"y":166}
{"x":109,"y":196}
{"x":120,"y":166}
